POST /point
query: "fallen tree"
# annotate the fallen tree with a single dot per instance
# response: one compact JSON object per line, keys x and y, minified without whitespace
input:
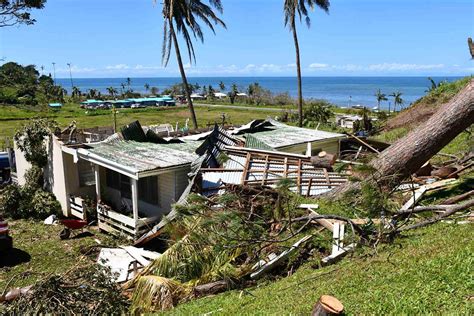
{"x":411,"y":152}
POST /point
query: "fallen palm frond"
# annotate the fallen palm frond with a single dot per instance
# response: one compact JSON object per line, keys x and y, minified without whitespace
{"x":154,"y":293}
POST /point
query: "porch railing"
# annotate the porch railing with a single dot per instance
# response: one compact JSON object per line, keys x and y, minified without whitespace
{"x":123,"y":225}
{"x":77,"y":207}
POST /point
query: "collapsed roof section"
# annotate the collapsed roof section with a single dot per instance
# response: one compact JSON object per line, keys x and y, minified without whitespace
{"x":248,"y":166}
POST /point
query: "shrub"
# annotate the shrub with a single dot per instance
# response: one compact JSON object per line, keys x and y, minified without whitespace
{"x":10,"y":201}
{"x":44,"y":204}
{"x":31,"y":140}
{"x":34,"y":178}
{"x":318,"y":111}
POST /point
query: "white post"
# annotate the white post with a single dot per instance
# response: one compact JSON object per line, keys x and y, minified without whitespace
{"x":308,"y":149}
{"x":134,"y":184}
{"x":97,"y":182}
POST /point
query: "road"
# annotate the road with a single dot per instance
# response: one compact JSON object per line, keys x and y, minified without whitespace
{"x":267,"y":109}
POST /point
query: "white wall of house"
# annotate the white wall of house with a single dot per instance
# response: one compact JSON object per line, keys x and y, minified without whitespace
{"x":21,"y":165}
{"x":329,"y":146}
{"x":61,"y":173}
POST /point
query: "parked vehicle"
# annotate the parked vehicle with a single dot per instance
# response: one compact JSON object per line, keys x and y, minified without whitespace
{"x":6,"y":241}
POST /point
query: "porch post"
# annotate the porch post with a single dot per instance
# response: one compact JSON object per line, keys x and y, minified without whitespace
{"x":134,"y":185}
{"x":97,"y":182}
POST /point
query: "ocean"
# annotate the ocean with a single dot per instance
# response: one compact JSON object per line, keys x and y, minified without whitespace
{"x":343,"y":91}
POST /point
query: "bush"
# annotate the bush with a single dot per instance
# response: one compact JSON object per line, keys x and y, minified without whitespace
{"x":10,"y":201}
{"x":318,"y":111}
{"x":44,"y":204}
{"x":34,"y":178}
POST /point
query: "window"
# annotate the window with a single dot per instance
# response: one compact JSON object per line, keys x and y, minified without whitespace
{"x":86,"y":173}
{"x":112,"y":179}
{"x":118,"y":182}
{"x":148,"y":190}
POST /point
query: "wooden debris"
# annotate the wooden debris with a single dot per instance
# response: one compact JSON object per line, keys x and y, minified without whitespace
{"x":422,"y":190}
{"x":458,"y":198}
{"x":323,"y":222}
{"x":211,"y":288}
{"x":443,"y":172}
{"x":278,"y":259}
{"x":336,"y":256}
{"x":327,"y":305}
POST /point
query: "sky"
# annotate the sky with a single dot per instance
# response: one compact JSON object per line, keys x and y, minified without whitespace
{"x":122,"y":38}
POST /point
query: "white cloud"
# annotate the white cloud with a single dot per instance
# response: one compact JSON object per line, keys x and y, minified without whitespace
{"x":118,"y":67}
{"x":318,"y":66}
{"x":403,"y":67}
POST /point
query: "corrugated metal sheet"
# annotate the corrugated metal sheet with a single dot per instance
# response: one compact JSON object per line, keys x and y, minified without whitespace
{"x":145,"y":156}
{"x":277,"y":135}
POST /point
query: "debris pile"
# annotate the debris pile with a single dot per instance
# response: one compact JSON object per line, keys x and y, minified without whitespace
{"x":82,"y":290}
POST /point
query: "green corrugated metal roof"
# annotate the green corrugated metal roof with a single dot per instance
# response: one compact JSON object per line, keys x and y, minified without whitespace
{"x":253,"y":142}
{"x":145,"y":156}
{"x":282,"y":135}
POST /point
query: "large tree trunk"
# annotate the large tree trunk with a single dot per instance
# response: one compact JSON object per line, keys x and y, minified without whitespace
{"x":409,"y":153}
{"x":298,"y":71}
{"x":183,"y":76}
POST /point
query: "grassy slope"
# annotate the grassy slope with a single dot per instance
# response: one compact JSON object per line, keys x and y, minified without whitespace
{"x":48,"y":254}
{"x":424,"y":107}
{"x":430,"y":271}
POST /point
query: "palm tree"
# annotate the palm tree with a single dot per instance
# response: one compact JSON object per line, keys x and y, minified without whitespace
{"x":112,"y":91}
{"x":397,"y":100}
{"x":147,"y":87}
{"x":222,"y":86}
{"x":75,"y":93}
{"x":183,"y":15}
{"x":154,"y":90}
{"x":233,"y":93}
{"x":292,"y":8}
{"x":380,"y":97}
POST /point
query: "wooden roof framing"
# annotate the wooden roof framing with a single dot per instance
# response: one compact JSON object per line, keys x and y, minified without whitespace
{"x":251,"y":167}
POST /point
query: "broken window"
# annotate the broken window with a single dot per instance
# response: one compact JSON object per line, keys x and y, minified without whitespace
{"x":148,"y":190}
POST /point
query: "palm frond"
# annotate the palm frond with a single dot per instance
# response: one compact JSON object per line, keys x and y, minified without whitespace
{"x":153,"y":293}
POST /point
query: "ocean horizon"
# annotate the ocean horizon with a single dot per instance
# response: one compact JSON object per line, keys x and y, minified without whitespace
{"x":342,"y":91}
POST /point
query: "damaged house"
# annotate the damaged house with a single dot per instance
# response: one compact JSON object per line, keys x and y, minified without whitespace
{"x":275,"y":136}
{"x":133,"y":178}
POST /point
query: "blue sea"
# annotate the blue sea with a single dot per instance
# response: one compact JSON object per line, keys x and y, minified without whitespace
{"x":343,"y":91}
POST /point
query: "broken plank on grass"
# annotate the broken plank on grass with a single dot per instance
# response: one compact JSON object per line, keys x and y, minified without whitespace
{"x":278,"y":259}
{"x":323,"y":222}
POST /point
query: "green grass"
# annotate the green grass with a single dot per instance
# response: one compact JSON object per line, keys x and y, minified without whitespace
{"x":12,"y":118}
{"x":44,"y":252}
{"x":428,"y":271}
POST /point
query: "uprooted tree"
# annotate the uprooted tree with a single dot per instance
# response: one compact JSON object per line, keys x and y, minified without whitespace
{"x":409,"y":153}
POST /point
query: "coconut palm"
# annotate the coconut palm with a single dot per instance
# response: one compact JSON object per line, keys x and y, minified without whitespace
{"x":233,"y":93}
{"x":293,"y":8}
{"x":222,"y":86}
{"x":75,"y":93}
{"x":154,"y":90}
{"x":112,"y":91}
{"x":180,"y":16}
{"x":380,"y":97}
{"x":147,"y":87}
{"x":397,"y":100}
